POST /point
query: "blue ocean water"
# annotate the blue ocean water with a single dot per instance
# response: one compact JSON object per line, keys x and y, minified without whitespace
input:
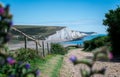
{"x":83,"y":39}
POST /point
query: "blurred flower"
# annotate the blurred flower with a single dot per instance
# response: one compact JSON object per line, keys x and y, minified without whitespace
{"x":27,"y":65}
{"x":73,"y":58}
{"x":2,"y":11}
{"x":37,"y":72}
{"x":11,"y":61}
{"x":110,"y":55}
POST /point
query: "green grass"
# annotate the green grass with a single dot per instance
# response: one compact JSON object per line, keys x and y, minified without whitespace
{"x":49,"y":66}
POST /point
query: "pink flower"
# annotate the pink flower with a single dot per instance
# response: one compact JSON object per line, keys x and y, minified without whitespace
{"x":2,"y":11}
{"x":110,"y":55}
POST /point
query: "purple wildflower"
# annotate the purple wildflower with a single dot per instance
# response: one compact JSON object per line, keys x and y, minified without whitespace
{"x":10,"y":60}
{"x":27,"y":66}
{"x":2,"y":11}
{"x":37,"y":72}
{"x":73,"y":58}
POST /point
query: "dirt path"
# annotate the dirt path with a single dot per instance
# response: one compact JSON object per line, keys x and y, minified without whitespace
{"x":70,"y":70}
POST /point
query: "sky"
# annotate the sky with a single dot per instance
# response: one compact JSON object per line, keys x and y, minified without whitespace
{"x":80,"y":15}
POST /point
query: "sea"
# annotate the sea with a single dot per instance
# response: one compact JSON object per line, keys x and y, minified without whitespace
{"x":81,"y":41}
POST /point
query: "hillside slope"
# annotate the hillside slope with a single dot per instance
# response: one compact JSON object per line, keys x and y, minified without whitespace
{"x":36,"y":31}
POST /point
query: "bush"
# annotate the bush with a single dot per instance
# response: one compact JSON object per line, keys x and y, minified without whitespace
{"x":26,"y":54}
{"x":96,"y":42}
{"x":58,"y":49}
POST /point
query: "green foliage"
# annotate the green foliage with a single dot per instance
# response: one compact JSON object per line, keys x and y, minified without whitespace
{"x":96,"y":42}
{"x":112,"y":21}
{"x":9,"y":67}
{"x":58,"y":49}
{"x":102,"y":53}
{"x":26,"y":54}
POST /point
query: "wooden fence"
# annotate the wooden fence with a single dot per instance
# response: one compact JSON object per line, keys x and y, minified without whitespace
{"x":42,"y":47}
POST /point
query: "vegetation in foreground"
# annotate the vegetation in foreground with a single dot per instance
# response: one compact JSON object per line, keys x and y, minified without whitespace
{"x":10,"y":67}
{"x":49,"y":66}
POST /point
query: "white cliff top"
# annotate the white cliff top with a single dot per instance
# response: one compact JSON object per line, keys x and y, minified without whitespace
{"x":65,"y":34}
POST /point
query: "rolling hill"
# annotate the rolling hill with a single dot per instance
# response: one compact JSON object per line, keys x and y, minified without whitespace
{"x":37,"y":31}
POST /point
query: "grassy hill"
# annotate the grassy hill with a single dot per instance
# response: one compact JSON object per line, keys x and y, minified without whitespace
{"x":32,"y":30}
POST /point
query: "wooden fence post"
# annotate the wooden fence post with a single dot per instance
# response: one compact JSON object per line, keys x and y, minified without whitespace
{"x":37,"y":47}
{"x":48,"y":49}
{"x":43,"y":48}
{"x":25,"y":38}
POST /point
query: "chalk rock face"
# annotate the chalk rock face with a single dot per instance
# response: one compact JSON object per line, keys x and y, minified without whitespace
{"x":65,"y":34}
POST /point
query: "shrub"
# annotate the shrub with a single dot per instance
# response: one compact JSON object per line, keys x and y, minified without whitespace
{"x":26,"y":54}
{"x":112,"y":21}
{"x":58,"y":49}
{"x":96,"y":42}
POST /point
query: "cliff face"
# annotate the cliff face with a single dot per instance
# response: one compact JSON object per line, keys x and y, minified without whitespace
{"x":65,"y":34}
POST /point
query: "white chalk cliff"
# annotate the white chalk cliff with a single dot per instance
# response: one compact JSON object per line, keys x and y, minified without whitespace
{"x":65,"y":34}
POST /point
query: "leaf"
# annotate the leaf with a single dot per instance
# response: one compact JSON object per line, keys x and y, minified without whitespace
{"x":85,"y":73}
